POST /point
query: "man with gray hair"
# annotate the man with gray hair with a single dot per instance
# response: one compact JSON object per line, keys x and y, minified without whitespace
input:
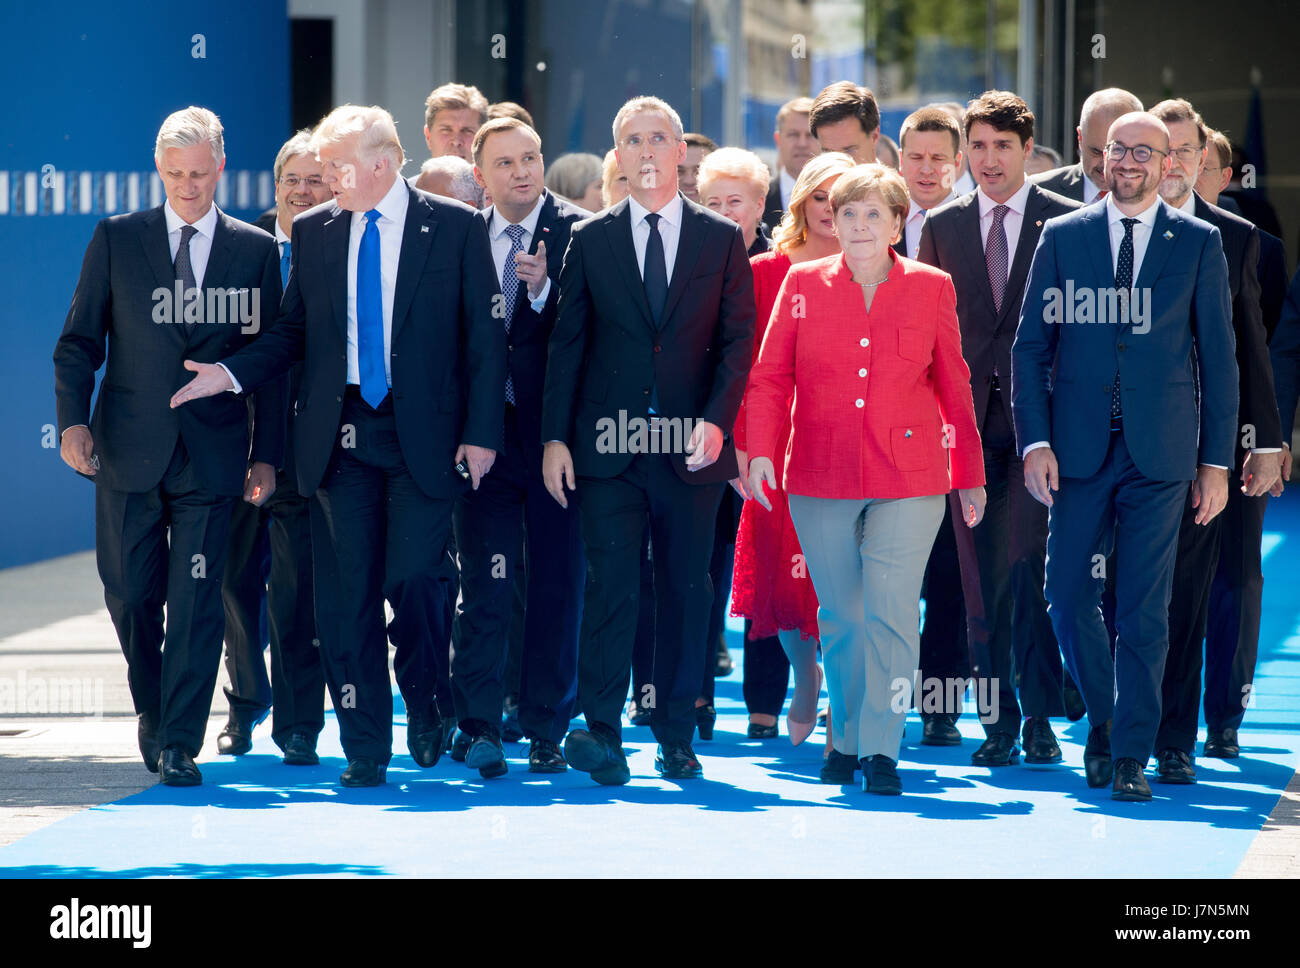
{"x":451,"y":177}
{"x":390,"y":301}
{"x":1086,"y":181}
{"x":183,"y":281}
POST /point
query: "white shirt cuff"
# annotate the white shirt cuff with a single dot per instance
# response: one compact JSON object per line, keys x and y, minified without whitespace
{"x":66,"y":429}
{"x":539,"y":303}
{"x":1034,"y":446}
{"x":236,"y":388}
{"x":1266,"y":450}
{"x":1217,"y":467}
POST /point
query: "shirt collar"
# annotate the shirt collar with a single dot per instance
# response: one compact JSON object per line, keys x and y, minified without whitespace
{"x":1090,"y":191}
{"x":529,"y":221}
{"x":670,"y":213}
{"x":279,"y":233}
{"x":1189,"y":204}
{"x":392,"y":206}
{"x":786,"y":186}
{"x":206,"y":226}
{"x":1146,"y":217}
{"x":1016,"y":202}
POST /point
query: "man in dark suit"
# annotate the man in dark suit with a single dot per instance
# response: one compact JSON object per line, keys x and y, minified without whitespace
{"x":1085,"y":181}
{"x":267,"y":589}
{"x":647,"y":366}
{"x":1002,"y":558}
{"x":1284,"y":352}
{"x":390,"y":303}
{"x":1227,"y":550}
{"x":182,"y":281}
{"x":1126,"y":314}
{"x":528,"y":228}
{"x":795,"y":145}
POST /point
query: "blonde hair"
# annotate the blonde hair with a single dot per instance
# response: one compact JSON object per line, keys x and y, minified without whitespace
{"x":793,"y":230}
{"x":188,"y":127}
{"x":861,"y":180}
{"x":609,"y":172}
{"x":734,"y":163}
{"x":374,"y":124}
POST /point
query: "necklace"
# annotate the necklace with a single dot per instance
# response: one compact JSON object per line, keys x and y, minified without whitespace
{"x":870,"y":285}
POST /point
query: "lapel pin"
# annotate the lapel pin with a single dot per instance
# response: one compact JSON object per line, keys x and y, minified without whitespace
{"x":424,"y":228}
{"x":1038,"y":224}
{"x":907,"y":433}
{"x":1168,"y":234}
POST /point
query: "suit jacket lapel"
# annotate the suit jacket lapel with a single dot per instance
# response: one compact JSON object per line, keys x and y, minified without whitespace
{"x":157,"y":250}
{"x":1025,"y":244}
{"x":1097,"y":242}
{"x":337,"y":230}
{"x":417,"y":237}
{"x":618,"y":231}
{"x":689,"y":241}
{"x":971,"y":246}
{"x":1158,"y":248}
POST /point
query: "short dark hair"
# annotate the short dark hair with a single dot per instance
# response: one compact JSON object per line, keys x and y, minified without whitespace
{"x":931,"y":118}
{"x":492,"y":127}
{"x":1176,"y":109}
{"x":694,"y":139}
{"x":1001,"y":111}
{"x":509,"y":109}
{"x":841,"y":100}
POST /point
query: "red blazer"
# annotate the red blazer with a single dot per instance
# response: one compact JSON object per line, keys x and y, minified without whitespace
{"x":769,"y":272}
{"x":873,"y":393}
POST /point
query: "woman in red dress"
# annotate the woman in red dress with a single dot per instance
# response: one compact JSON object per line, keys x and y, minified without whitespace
{"x":770,"y":584}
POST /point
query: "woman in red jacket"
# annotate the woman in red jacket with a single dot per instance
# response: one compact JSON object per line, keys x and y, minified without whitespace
{"x":770,"y":585}
{"x":882,"y":428}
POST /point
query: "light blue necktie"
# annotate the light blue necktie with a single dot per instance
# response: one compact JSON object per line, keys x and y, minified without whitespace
{"x":370,"y":316}
{"x":284,"y":266}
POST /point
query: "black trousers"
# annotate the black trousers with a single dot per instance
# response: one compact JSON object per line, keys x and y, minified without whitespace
{"x":721,"y":563}
{"x":166,"y":546}
{"x":643,"y":649}
{"x":490,"y":524}
{"x":683,"y":519}
{"x":944,"y":652}
{"x":267,"y":594}
{"x":1011,"y":636}
{"x":381,"y":538}
{"x":767,"y":674}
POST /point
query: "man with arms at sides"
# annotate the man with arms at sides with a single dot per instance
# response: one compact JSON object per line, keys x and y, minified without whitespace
{"x":166,"y":481}
{"x":1107,"y":387}
{"x":275,"y":603}
{"x":795,"y":145}
{"x":655,"y":324}
{"x":389,"y":302}
{"x":985,"y":241}
{"x":1225,"y":551}
{"x":844,"y":117}
{"x":452,"y":113}
{"x":529,"y":229}
{"x":1086,"y":181}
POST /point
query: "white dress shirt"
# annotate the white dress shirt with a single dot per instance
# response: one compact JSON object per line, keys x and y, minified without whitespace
{"x":1011,"y":222}
{"x":786,"y":186}
{"x":915,"y":222}
{"x":497,"y":225}
{"x":965,"y":184}
{"x":280,"y":239}
{"x":391,"y":223}
{"x":670,"y":230}
{"x":200,"y":242}
{"x":1090,"y":191}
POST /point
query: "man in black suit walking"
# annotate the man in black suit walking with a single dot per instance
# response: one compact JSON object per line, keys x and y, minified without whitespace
{"x":182,"y":281}
{"x":390,"y":303}
{"x":795,"y":146}
{"x":1231,"y":542}
{"x":267,"y":590}
{"x":1085,"y":181}
{"x":647,"y":366}
{"x":986,"y":241}
{"x":529,"y":229}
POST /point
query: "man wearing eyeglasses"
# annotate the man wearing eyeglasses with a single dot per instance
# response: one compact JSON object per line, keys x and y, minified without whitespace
{"x":267,"y":588}
{"x":1127,"y":312}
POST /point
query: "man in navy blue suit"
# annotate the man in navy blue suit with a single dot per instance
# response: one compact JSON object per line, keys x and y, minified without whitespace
{"x":1126,"y":313}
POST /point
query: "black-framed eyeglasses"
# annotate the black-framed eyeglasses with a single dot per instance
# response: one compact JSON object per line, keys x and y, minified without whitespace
{"x":1141,"y":153}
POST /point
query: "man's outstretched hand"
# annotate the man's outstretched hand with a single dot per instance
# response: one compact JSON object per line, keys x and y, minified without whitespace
{"x":210,"y":381}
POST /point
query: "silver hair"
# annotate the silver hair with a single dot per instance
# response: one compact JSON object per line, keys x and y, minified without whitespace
{"x":299,"y":144}
{"x":649,"y":103}
{"x":188,"y":127}
{"x":462,"y":185}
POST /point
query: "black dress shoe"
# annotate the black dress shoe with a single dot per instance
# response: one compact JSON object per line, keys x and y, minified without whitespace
{"x":511,"y":731}
{"x":880,"y":775}
{"x":1222,"y":744}
{"x":146,"y":732}
{"x":722,"y":666}
{"x":676,"y":761}
{"x":1097,"y":767}
{"x":236,"y":738}
{"x":937,"y":730}
{"x":486,"y":755}
{"x":1039,"y":741}
{"x":705,"y":717}
{"x":301,"y":750}
{"x":838,"y":768}
{"x":759,"y":731}
{"x":1075,"y":707}
{"x":1130,"y":782}
{"x":545,"y":757}
{"x":363,"y":772}
{"x":637,"y":714}
{"x":177,"y":768}
{"x":424,"y":736}
{"x":1174,"y":766}
{"x":460,"y":745}
{"x":598,"y":755}
{"x":999,"y":749}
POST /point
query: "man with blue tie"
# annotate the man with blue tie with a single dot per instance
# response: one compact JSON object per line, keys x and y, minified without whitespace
{"x":389,"y":301}
{"x":1126,"y":313}
{"x":267,"y":589}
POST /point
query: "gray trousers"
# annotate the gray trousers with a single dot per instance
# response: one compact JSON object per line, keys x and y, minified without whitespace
{"x":866,"y":559}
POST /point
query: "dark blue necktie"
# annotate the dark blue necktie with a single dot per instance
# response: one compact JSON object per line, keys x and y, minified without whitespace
{"x":510,"y":290}
{"x":1123,"y":282}
{"x":655,"y":274}
{"x":370,"y":316}
{"x":284,"y":266}
{"x":185,"y":272}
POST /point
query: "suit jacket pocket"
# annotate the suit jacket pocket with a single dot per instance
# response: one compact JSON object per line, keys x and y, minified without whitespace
{"x":910,"y":446}
{"x":914,"y":345}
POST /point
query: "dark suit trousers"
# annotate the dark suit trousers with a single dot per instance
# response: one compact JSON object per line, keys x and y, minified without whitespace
{"x":382,"y":538}
{"x":1116,"y":507}
{"x":767,"y":674}
{"x":643,"y":651}
{"x":721,"y":563}
{"x":944,"y":651}
{"x":273,"y":604}
{"x":490,"y":523}
{"x":167,"y":546}
{"x":1003,"y":568}
{"x":683,"y":521}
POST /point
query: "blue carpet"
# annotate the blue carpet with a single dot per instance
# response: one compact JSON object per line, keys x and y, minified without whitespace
{"x":760,"y":809}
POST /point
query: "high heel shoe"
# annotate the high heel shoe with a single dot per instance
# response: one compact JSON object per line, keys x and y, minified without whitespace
{"x":797,"y":731}
{"x":705,"y":717}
